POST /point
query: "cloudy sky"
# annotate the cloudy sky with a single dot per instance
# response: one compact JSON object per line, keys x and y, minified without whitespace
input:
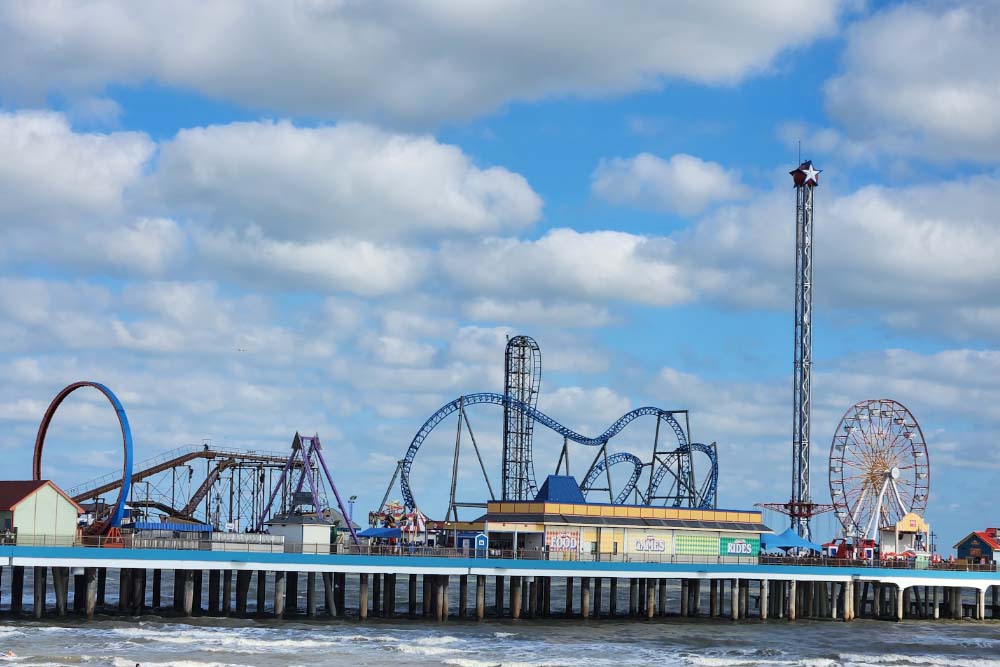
{"x":250,"y":218}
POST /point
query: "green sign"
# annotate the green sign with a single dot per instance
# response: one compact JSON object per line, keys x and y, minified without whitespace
{"x":739,"y":546}
{"x":696,"y":545}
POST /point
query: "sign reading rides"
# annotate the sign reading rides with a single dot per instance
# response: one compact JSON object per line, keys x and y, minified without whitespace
{"x":738,"y":546}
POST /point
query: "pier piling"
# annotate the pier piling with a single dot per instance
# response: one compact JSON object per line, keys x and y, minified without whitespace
{"x":363,"y":596}
{"x":157,"y":586}
{"x":311,"y":594}
{"x":328,"y":593}
{"x":242,"y":591}
{"x":39,"y":592}
{"x":280,"y":583}
{"x":480,"y":597}
{"x":227,"y":592}
{"x":90,"y":575}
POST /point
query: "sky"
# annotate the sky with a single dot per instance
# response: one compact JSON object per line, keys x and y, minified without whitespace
{"x":249,"y":219}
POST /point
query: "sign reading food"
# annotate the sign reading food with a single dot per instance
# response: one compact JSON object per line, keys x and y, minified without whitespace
{"x":563,"y":540}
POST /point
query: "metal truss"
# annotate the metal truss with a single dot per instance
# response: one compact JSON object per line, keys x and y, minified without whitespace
{"x":522,"y":378}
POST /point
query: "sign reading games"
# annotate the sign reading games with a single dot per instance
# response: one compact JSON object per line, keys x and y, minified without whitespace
{"x":649,"y":544}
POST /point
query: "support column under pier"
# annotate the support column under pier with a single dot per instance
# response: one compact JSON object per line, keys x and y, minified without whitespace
{"x":227,"y":592}
{"x":39,"y":591}
{"x":363,"y":596}
{"x":17,"y":590}
{"x":280,"y":579}
{"x":764,"y":599}
{"x":242,"y":591}
{"x":90,"y":578}
{"x":329,"y":601}
{"x":792,"y":594}
{"x":480,"y":597}
{"x":311,"y":594}
{"x":213,"y":591}
{"x":157,"y":587}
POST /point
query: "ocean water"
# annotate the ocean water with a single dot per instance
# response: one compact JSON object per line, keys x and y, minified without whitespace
{"x":155,"y":642}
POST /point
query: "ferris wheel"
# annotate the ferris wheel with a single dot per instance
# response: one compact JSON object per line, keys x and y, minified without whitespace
{"x":879,"y":469}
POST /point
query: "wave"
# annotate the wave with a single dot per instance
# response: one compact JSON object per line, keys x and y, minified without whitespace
{"x":895,"y":659}
{"x":123,"y":662}
{"x":752,"y":661}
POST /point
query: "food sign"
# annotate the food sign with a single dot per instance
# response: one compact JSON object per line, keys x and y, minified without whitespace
{"x":563,"y":540}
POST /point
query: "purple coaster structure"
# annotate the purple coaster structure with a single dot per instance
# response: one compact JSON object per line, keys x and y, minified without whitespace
{"x":308,"y":449}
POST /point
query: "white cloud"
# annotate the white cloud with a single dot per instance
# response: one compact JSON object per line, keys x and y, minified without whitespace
{"x":51,"y":175}
{"x":399,"y":351}
{"x":335,"y":265}
{"x":681,"y":184}
{"x":309,"y":184}
{"x":923,"y":79}
{"x":536,"y":311}
{"x":420,"y":61}
{"x":564,"y":263}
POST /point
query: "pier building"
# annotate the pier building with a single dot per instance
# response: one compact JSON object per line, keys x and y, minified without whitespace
{"x":570,"y":531}
{"x":37,"y":507}
{"x":982,"y":545}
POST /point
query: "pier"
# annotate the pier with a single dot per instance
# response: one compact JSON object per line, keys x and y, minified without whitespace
{"x":449,"y":586}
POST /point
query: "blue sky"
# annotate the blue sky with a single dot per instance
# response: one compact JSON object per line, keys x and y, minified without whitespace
{"x":251,"y":219}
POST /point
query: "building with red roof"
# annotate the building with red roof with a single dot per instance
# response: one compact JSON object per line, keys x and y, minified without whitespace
{"x":37,"y":512}
{"x":982,"y":544}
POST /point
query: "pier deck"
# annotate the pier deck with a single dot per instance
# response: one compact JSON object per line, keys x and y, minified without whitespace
{"x":747,"y":590}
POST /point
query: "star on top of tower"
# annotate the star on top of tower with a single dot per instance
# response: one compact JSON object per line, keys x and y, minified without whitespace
{"x":806,"y":174}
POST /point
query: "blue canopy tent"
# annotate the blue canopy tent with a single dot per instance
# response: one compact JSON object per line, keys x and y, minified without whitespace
{"x":787,"y":540}
{"x":381,"y":532}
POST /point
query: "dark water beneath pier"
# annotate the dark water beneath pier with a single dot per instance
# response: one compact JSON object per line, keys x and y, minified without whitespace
{"x":155,"y":642}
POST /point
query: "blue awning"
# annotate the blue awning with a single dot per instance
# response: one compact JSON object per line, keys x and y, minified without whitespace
{"x":179,"y":527}
{"x":381,"y":532}
{"x":787,"y":540}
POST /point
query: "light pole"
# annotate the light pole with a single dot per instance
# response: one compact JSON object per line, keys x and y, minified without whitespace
{"x":350,"y":508}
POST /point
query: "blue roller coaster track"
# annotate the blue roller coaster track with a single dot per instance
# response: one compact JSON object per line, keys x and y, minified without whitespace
{"x":705,"y":495}
{"x":502,"y":400}
{"x":601,"y":466}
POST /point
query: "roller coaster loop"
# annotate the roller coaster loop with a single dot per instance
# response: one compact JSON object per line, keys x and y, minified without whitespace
{"x":614,"y":459}
{"x":706,"y":494}
{"x":115,"y":520}
{"x":536,"y":415}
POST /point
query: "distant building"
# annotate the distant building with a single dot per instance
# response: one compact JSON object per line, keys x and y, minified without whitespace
{"x":37,"y":512}
{"x":911,"y":534}
{"x":303,"y":533}
{"x":984,"y":544}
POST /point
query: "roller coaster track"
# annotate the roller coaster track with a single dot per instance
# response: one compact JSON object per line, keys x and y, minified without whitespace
{"x":614,"y":459}
{"x":532,"y":413}
{"x":704,"y":495}
{"x":94,"y":489}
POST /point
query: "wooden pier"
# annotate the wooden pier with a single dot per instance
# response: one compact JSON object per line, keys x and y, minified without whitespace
{"x":279,"y":585}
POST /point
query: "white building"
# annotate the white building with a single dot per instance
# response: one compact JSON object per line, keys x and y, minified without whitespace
{"x":37,"y":512}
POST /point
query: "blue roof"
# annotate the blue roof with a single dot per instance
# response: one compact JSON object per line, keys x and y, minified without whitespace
{"x":179,"y":527}
{"x":560,"y":489}
{"x":381,"y":532}
{"x":787,"y":540}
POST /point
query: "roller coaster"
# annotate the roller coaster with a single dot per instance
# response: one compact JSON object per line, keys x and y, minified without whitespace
{"x":523,"y":370}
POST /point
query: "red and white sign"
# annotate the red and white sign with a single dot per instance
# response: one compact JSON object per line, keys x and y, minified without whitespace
{"x":563,"y":540}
